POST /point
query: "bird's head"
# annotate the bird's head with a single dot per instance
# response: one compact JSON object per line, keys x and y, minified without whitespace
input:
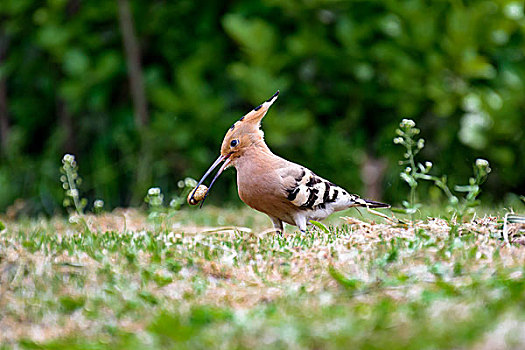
{"x":242,"y":135}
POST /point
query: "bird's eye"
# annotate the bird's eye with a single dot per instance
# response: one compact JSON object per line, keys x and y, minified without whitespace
{"x":234,"y":143}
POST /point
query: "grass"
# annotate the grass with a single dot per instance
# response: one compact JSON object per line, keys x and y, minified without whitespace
{"x":191,"y":282}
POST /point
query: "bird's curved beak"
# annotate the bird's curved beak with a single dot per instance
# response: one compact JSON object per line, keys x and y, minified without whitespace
{"x":226,"y":159}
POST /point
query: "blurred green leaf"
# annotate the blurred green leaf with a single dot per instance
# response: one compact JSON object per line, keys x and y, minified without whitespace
{"x":320,"y":226}
{"x":349,"y":284}
{"x":71,"y":303}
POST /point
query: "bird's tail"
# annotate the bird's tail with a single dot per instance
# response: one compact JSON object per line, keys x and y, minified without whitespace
{"x":371,"y":204}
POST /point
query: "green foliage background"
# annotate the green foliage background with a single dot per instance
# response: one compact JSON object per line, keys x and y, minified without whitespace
{"x":348,"y":73}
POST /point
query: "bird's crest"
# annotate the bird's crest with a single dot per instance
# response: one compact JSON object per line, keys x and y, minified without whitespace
{"x":247,"y":130}
{"x":252,"y":120}
{"x":255,"y":116}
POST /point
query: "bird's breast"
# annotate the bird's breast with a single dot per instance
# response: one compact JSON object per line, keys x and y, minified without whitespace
{"x":256,"y":187}
{"x":261,"y":189}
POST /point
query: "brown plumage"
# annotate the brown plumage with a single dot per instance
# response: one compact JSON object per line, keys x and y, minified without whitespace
{"x":285,"y":191}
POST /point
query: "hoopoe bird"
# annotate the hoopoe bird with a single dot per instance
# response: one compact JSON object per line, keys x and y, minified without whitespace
{"x":285,"y":191}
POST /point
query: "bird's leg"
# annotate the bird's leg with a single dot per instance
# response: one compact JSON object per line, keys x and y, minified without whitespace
{"x":277,"y":225}
{"x":300,"y":221}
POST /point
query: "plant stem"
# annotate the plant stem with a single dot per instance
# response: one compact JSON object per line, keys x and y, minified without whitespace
{"x":72,"y":187}
{"x":413,"y":172}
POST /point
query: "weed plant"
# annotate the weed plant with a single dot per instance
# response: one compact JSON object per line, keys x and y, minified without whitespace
{"x":70,"y":183}
{"x":160,"y":214}
{"x":415,"y":171}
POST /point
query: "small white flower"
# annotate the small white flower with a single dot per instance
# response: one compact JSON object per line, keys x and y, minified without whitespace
{"x":74,"y":219}
{"x":408,"y":169}
{"x":482,"y":163}
{"x":407,"y":123}
{"x":73,"y":192}
{"x":99,"y":203}
{"x":428,"y":164}
{"x":398,"y":140}
{"x":189,"y":182}
{"x":154,"y":191}
{"x":68,"y":158}
{"x":420,"y":143}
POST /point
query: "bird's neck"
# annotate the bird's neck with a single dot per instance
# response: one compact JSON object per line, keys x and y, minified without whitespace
{"x":258,"y":154}
{"x":260,"y":148}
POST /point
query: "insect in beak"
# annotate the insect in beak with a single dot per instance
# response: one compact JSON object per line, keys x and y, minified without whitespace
{"x":226,"y":160}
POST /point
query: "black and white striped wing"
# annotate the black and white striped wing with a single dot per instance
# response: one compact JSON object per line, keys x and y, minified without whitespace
{"x":309,"y":191}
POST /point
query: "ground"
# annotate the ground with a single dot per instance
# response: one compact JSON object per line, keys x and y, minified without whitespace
{"x":186,"y":280}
